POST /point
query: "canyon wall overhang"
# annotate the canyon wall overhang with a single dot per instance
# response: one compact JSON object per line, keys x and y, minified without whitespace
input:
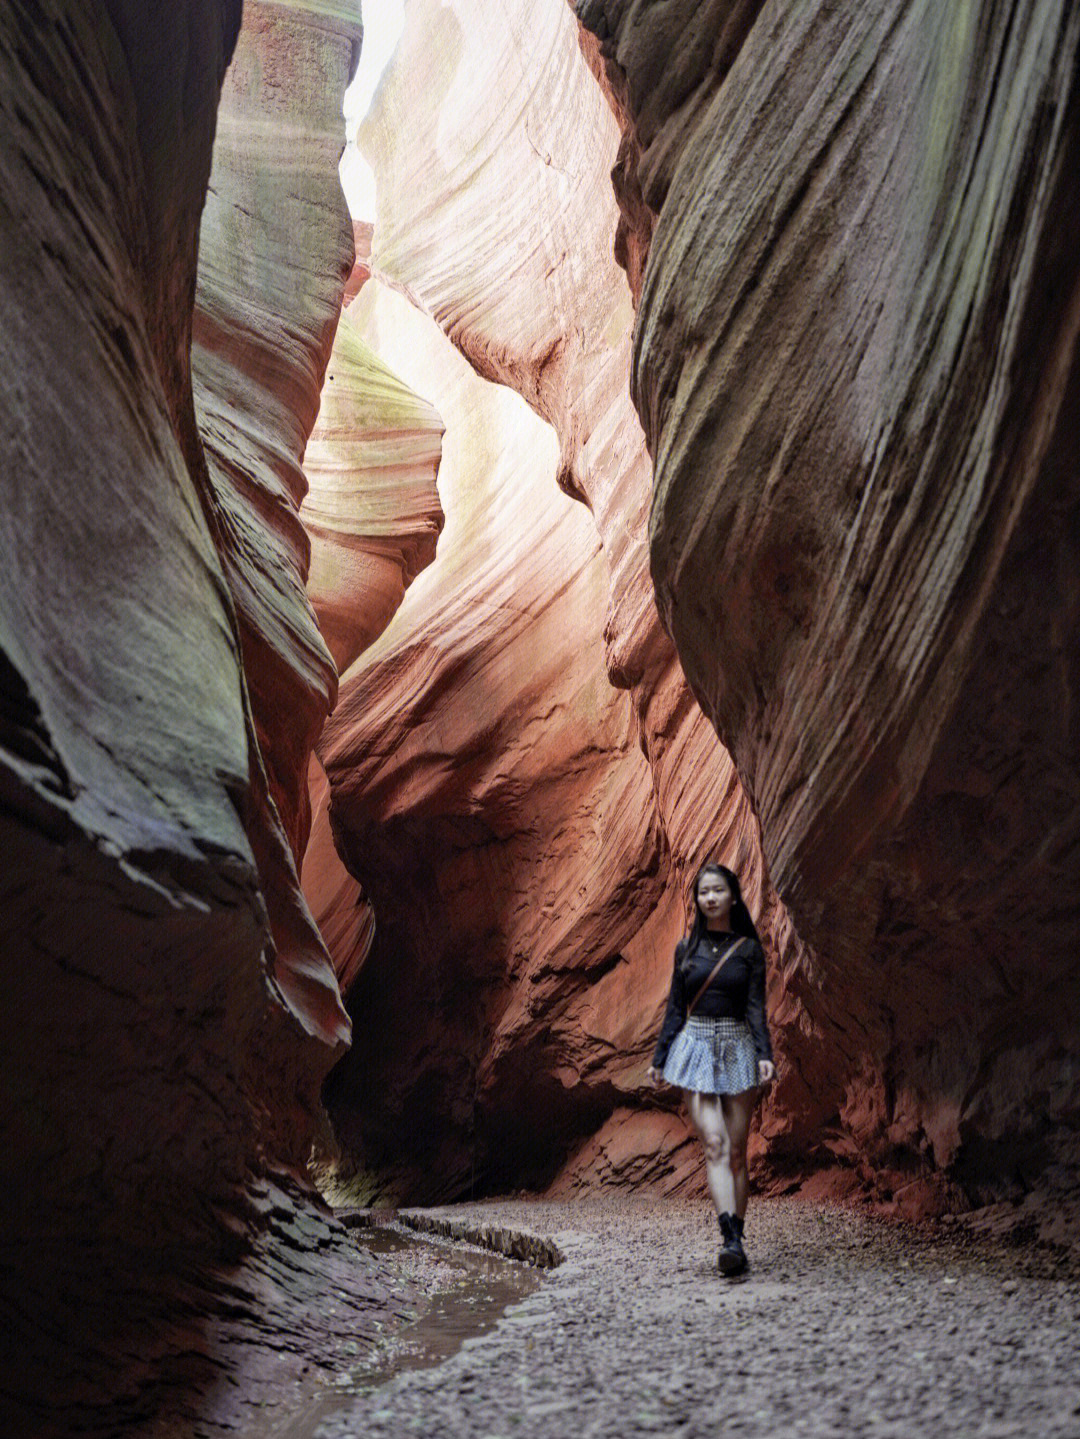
{"x":275,"y":250}
{"x":170,"y":1007}
{"x":856,"y":364}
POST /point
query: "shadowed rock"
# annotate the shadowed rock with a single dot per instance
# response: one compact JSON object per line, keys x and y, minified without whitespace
{"x":170,"y":1007}
{"x":856,"y":365}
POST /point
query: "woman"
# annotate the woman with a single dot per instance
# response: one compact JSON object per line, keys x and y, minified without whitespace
{"x":715,"y":1045}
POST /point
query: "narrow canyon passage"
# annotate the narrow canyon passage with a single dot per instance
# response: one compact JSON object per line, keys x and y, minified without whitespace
{"x":518,"y":770}
{"x":513,"y":762}
{"x":670,"y":455}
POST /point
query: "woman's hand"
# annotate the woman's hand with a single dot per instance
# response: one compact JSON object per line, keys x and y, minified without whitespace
{"x":766,"y":1071}
{"x":654,"y":1076}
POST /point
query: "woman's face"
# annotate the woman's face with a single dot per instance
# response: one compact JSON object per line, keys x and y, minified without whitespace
{"x":714,"y":897}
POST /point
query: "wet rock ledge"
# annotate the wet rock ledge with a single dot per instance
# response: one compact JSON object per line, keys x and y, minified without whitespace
{"x":510,"y":1243}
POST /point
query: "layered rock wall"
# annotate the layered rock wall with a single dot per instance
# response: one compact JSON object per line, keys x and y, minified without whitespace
{"x":373,"y":516}
{"x":839,"y":230}
{"x":170,"y":1007}
{"x":372,"y":511}
{"x":275,"y":250}
{"x":480,"y":765}
{"x":856,"y":364}
{"x":497,"y":839}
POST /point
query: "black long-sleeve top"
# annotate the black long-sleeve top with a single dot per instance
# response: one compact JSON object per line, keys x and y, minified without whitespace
{"x":737,"y":992}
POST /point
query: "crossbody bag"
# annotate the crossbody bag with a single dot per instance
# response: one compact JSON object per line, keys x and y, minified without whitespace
{"x":716,"y":970}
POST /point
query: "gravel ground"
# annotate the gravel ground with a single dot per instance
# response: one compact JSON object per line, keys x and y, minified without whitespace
{"x":845,"y":1326}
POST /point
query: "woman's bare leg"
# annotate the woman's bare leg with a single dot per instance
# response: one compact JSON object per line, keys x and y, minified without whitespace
{"x":707,"y":1117}
{"x":737,"y":1110}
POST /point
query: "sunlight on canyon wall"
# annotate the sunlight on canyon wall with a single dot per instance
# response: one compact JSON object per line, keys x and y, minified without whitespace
{"x":580,"y":857}
{"x":494,"y":214}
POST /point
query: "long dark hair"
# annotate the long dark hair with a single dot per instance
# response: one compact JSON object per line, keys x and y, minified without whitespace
{"x":740,"y":920}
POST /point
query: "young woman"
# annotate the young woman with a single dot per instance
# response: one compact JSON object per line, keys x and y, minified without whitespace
{"x":715,"y":1044}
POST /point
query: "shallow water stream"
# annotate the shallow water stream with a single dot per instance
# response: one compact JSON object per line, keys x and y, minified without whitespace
{"x":468,"y":1291}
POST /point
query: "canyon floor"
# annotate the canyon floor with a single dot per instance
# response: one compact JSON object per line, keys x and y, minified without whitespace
{"x":845,"y":1325}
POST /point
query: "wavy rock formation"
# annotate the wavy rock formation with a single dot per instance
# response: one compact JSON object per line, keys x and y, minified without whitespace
{"x":170,"y":1008}
{"x":275,"y":249}
{"x":372,"y":511}
{"x":337,"y":901}
{"x":856,"y":365}
{"x":480,"y":766}
{"x":373,"y":516}
{"x":566,"y":1005}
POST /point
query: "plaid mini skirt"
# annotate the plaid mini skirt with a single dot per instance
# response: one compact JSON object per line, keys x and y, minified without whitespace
{"x":713,"y":1056}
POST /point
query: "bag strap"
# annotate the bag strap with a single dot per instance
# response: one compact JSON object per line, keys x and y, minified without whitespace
{"x":716,"y":970}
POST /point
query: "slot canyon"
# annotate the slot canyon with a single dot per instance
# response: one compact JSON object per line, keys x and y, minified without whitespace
{"x":670,"y":451}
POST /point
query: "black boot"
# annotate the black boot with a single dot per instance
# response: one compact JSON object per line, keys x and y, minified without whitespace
{"x":739,"y":1235}
{"x":732,"y":1258}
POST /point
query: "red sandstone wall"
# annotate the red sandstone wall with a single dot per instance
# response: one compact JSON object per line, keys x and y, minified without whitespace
{"x":275,"y":249}
{"x":170,"y":1008}
{"x":519,"y":774}
{"x":856,"y":364}
{"x":854,"y":405}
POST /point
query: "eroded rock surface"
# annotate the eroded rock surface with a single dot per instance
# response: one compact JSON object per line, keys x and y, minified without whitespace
{"x":275,"y":250}
{"x":856,"y":365}
{"x":372,"y":511}
{"x":170,"y":1007}
{"x":830,"y":541}
{"x":496,"y":838}
{"x":373,"y":517}
{"x":337,"y":901}
{"x":480,"y":767}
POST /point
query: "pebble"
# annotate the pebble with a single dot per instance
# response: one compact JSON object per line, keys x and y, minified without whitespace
{"x":845,"y":1325}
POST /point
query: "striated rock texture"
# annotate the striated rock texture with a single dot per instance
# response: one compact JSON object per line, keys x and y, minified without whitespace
{"x":373,"y":516}
{"x":169,"y":1007}
{"x":337,"y":901}
{"x":856,"y":364}
{"x":480,"y":766}
{"x":275,"y":251}
{"x":372,"y":511}
{"x":518,"y":822}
